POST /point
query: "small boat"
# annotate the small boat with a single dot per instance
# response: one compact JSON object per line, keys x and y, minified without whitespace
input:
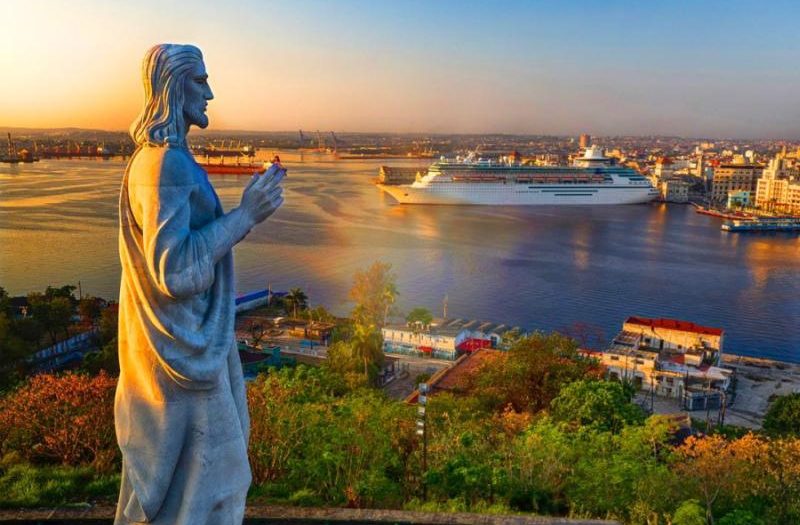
{"x":787,"y":224}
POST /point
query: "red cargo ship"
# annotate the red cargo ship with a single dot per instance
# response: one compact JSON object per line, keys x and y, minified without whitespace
{"x":234,"y":169}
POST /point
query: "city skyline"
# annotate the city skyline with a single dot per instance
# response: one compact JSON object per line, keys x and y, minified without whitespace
{"x":716,"y":70}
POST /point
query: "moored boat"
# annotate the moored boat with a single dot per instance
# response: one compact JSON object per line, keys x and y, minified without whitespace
{"x":592,"y":180}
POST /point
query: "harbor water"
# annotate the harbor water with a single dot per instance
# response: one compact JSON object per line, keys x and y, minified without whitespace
{"x":541,"y":268}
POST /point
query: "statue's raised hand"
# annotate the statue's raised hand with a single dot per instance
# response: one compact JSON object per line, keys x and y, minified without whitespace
{"x":263,"y":195}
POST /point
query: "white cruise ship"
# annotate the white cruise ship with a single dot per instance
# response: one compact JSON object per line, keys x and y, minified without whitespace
{"x":592,"y":180}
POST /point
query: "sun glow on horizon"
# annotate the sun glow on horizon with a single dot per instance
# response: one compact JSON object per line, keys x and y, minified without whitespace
{"x":359,"y":66}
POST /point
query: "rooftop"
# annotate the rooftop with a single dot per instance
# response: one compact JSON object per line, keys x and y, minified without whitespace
{"x":454,"y":378}
{"x":674,"y":324}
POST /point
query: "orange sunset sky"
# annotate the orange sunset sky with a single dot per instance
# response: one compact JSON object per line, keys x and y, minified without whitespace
{"x":684,"y":68}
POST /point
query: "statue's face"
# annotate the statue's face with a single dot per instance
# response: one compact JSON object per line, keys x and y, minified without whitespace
{"x":196,"y":95}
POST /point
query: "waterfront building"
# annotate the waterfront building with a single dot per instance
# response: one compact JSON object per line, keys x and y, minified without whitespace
{"x":734,"y":177}
{"x":444,"y":338}
{"x":663,"y":169}
{"x":699,"y":166}
{"x":585,"y":140}
{"x":738,"y":199}
{"x":778,"y":189}
{"x":670,"y":358}
{"x":674,"y":190}
{"x":436,"y":342}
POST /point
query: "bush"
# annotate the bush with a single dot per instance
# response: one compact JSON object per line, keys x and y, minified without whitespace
{"x":321,"y":444}
{"x":783,"y":416}
{"x":603,"y":405}
{"x":689,"y":512}
{"x":740,"y":517}
{"x":67,"y":419}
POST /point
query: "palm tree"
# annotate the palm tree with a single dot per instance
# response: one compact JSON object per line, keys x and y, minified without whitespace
{"x":298,"y":299}
{"x":367,"y":342}
{"x":390,"y":294}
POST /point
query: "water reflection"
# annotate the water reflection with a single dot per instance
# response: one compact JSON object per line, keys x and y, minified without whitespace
{"x":539,"y":267}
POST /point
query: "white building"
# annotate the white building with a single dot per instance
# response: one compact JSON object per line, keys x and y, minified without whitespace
{"x":778,"y":189}
{"x":444,"y":338}
{"x":670,"y":358}
{"x":674,"y":190}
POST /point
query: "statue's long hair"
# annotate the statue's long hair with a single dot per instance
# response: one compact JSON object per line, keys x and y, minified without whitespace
{"x":164,"y":69}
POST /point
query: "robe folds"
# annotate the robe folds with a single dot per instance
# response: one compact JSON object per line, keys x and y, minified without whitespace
{"x":180,"y":408}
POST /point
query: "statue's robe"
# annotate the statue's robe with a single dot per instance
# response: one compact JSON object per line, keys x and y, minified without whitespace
{"x":180,"y":408}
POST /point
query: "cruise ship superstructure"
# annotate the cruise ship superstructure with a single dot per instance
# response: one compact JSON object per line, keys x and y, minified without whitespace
{"x":592,"y":180}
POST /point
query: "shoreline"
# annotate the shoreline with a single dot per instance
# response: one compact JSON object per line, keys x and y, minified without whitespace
{"x":759,"y":381}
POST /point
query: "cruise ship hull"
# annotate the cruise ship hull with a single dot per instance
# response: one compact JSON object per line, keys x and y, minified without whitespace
{"x":513,"y":194}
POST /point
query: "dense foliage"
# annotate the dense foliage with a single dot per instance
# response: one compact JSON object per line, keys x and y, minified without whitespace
{"x":531,"y":374}
{"x":314,"y":441}
{"x":48,"y":317}
{"x":535,"y":430}
{"x":783,"y":416}
{"x":65,"y":420}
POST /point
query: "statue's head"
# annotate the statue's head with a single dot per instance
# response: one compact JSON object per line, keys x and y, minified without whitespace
{"x":176,"y":94}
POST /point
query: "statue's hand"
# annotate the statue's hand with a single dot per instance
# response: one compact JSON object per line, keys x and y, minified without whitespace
{"x":263,"y":195}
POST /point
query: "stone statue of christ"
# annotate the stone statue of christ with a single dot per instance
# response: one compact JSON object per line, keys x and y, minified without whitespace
{"x":180,"y":410}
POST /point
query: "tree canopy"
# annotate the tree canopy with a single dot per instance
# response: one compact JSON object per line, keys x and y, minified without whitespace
{"x":374,"y":292}
{"x":532,"y":372}
{"x":605,"y":405}
{"x":297,"y":299}
{"x":783,"y":416}
{"x":419,"y":316}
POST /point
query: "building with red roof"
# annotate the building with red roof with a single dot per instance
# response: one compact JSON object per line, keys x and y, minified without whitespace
{"x":663,"y":333}
{"x":456,"y":379}
{"x":671,"y":358}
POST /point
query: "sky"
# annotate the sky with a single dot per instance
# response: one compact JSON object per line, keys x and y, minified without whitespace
{"x":695,"y":69}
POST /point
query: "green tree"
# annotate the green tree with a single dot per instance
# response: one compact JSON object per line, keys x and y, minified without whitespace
{"x":374,"y":292}
{"x":109,"y":324}
{"x":90,"y":308}
{"x":315,"y":441}
{"x":343,"y":361}
{"x":689,"y":512}
{"x":53,"y":310}
{"x":321,"y":314}
{"x":740,"y":517}
{"x":466,"y":449}
{"x":107,"y":359}
{"x":419,"y":317}
{"x":5,"y":301}
{"x":604,"y":405}
{"x":13,"y":350}
{"x":65,"y":292}
{"x":531,"y":373}
{"x":783,"y":416}
{"x":297,"y":299}
{"x":613,"y":474}
{"x":368,"y":346}
{"x":359,"y":358}
{"x":390,"y":294}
